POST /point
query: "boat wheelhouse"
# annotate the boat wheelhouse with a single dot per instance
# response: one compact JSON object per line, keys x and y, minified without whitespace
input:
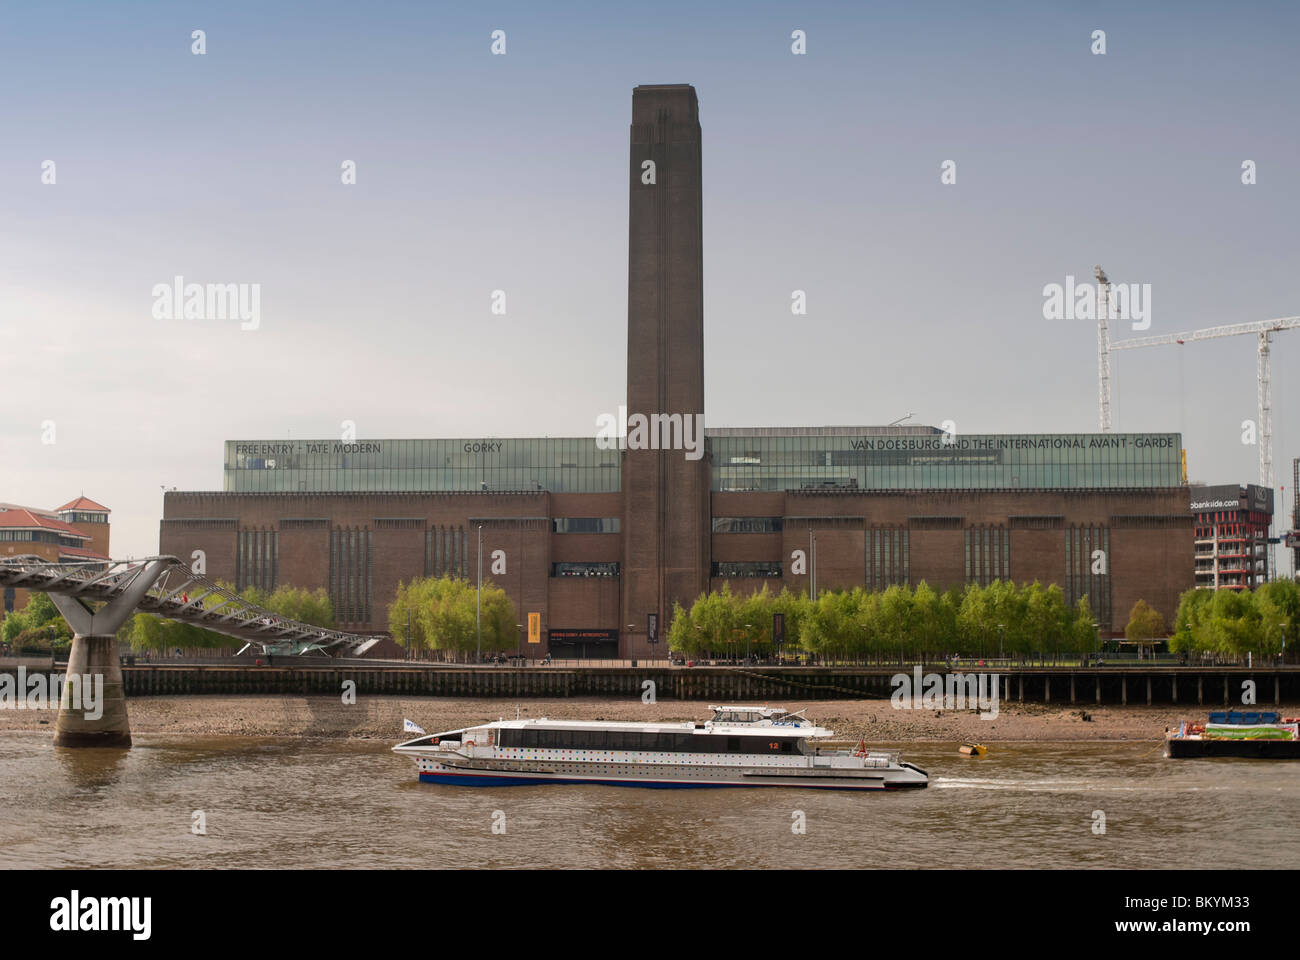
{"x":738,"y":746}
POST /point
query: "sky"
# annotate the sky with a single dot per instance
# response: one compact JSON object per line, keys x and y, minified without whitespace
{"x":478,"y":172}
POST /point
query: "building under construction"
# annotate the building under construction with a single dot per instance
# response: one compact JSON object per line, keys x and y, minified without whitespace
{"x":1232,"y":527}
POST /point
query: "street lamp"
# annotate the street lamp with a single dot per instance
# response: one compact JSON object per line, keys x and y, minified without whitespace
{"x":631,"y":631}
{"x":812,"y":565}
{"x":478,"y":599}
{"x":748,"y":627}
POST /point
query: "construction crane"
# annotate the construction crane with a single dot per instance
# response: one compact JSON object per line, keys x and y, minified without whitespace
{"x":1263,"y":331}
{"x":1103,"y":347}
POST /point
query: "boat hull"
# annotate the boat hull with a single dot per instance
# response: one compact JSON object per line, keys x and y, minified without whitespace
{"x":461,"y":774}
{"x":1188,"y":748}
{"x":512,"y":780}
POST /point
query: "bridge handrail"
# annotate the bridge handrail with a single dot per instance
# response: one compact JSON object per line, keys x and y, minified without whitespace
{"x":102,"y":579}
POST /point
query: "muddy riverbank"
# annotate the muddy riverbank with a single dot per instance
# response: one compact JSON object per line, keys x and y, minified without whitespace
{"x":381,"y":717}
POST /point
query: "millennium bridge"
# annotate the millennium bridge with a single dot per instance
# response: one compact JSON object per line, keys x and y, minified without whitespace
{"x":97,"y":597}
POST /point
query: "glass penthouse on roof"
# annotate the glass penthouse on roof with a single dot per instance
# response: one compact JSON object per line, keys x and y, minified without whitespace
{"x":749,"y":459}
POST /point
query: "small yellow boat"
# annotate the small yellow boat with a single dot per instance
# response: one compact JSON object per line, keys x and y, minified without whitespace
{"x":972,"y":750}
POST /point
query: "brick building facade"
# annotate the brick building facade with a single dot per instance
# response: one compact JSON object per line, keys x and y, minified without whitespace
{"x":600,"y":538}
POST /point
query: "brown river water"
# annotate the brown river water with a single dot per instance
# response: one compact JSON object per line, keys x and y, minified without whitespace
{"x":332,"y":804}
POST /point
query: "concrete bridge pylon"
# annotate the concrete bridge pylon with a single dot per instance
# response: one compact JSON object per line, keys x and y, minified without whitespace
{"x":94,"y":654}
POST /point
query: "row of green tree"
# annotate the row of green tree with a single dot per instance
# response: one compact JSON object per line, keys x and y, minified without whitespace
{"x":900,"y":622}
{"x":442,"y":613}
{"x":1264,"y":622}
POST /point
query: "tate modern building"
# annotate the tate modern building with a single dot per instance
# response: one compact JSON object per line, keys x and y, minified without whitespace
{"x":601,"y":535}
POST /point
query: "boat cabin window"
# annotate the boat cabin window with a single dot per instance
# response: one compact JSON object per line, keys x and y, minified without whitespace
{"x":646,"y":741}
{"x":735,"y":716}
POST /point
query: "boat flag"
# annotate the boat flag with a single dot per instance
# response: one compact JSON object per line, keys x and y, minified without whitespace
{"x":409,"y":726}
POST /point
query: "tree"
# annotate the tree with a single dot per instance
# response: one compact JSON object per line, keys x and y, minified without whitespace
{"x":37,"y":627}
{"x":833,"y":626}
{"x":896,"y":616}
{"x":682,"y":636}
{"x":930,"y":619}
{"x":1191,"y":624}
{"x":1081,"y":627}
{"x":755,"y":615}
{"x":975,"y":619}
{"x":443,"y":615}
{"x":716,"y":618}
{"x":298,"y":603}
{"x":1045,"y":622}
{"x":1008,"y":621}
{"x":1145,"y":624}
{"x":1278,"y":605}
{"x":795,"y":608}
{"x":1234,"y":627}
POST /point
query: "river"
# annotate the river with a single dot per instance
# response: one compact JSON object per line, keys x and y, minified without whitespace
{"x":335,"y":804}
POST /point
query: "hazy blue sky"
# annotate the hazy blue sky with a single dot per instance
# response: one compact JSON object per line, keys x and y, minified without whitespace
{"x":478,"y":172}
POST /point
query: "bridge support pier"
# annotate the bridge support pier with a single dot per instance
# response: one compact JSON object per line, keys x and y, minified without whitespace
{"x":94,"y":655}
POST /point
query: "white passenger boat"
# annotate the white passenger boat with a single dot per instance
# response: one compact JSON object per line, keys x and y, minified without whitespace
{"x":736,"y":747}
